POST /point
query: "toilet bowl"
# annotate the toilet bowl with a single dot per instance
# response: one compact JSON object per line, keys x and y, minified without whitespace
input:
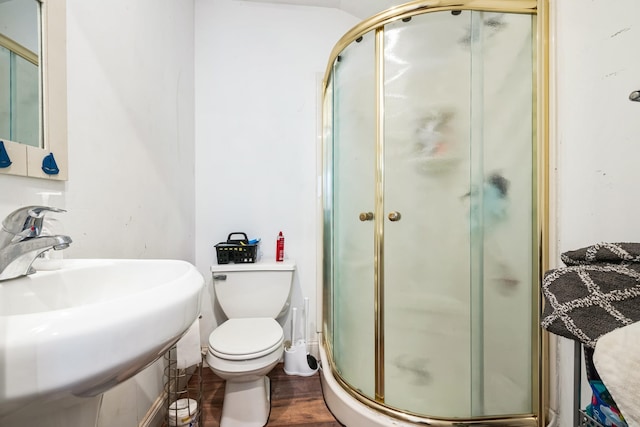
{"x":243,"y":352}
{"x":247,"y":346}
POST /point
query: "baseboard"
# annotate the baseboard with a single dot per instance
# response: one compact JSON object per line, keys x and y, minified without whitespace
{"x":155,"y":415}
{"x":204,"y":351}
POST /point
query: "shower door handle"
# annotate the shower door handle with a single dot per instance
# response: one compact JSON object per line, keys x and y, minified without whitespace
{"x":394,"y":216}
{"x":366,"y":216}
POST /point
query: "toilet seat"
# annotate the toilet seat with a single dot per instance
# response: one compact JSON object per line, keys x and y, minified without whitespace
{"x":246,"y":338}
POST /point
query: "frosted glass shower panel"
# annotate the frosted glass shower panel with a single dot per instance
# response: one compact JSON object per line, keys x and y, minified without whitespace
{"x":327,"y":211}
{"x":353,"y":184}
{"x":459,"y":168}
{"x":427,"y":119}
{"x":506,"y":201}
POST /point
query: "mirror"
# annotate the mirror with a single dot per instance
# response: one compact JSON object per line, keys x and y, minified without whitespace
{"x":19,"y":71}
{"x":33,"y":107}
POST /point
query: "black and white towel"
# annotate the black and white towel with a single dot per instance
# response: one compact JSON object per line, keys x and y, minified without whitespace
{"x":614,"y":253}
{"x":597,"y":292}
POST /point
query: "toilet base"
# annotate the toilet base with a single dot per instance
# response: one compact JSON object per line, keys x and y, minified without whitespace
{"x":246,"y":404}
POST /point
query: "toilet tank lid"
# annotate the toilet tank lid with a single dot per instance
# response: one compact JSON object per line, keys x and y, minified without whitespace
{"x":262,"y":265}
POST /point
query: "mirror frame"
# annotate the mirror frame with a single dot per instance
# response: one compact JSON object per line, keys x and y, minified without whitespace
{"x":27,"y":160}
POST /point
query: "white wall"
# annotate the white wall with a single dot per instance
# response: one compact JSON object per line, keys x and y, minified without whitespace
{"x":597,"y":135}
{"x":131,"y":191}
{"x":256,"y":78}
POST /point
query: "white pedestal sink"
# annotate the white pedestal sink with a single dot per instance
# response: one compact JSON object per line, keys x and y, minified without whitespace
{"x":69,"y":335}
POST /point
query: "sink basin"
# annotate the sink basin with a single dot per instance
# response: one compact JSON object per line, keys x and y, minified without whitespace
{"x":76,"y":332}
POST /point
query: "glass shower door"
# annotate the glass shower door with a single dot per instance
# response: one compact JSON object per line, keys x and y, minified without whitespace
{"x":353,"y":185}
{"x":426,"y":156}
{"x":458,"y":192}
{"x":431,"y":230}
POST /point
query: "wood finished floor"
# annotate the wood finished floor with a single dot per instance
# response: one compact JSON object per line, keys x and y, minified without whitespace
{"x":295,"y":401}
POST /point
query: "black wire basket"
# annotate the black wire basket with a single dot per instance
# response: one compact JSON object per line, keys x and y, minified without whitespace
{"x":237,"y":251}
{"x":585,"y":420}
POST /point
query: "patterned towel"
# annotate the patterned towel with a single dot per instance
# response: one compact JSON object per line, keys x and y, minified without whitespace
{"x":584,"y":302}
{"x":603,"y":252}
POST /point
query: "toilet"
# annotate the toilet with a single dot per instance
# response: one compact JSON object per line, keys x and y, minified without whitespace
{"x":247,"y":346}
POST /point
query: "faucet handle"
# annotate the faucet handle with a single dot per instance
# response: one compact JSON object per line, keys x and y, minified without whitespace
{"x":39,"y":211}
{"x":26,"y":222}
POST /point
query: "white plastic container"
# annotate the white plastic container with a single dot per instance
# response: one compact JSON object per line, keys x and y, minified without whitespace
{"x":296,"y":362}
{"x":183,"y":412}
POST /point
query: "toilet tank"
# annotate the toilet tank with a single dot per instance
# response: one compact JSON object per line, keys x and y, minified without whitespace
{"x":260,"y":289}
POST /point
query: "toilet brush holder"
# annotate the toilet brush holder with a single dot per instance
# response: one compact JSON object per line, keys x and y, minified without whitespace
{"x":296,"y":361}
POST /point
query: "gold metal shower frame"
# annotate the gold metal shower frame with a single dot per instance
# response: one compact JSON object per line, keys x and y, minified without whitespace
{"x":540,"y":227}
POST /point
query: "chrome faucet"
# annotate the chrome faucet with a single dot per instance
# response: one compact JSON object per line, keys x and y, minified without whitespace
{"x":21,"y":240}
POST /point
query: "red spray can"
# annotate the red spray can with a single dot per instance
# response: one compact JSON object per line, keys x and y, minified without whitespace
{"x":280,"y":248}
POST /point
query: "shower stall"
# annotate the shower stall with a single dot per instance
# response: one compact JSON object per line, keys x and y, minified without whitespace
{"x":433,"y":198}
